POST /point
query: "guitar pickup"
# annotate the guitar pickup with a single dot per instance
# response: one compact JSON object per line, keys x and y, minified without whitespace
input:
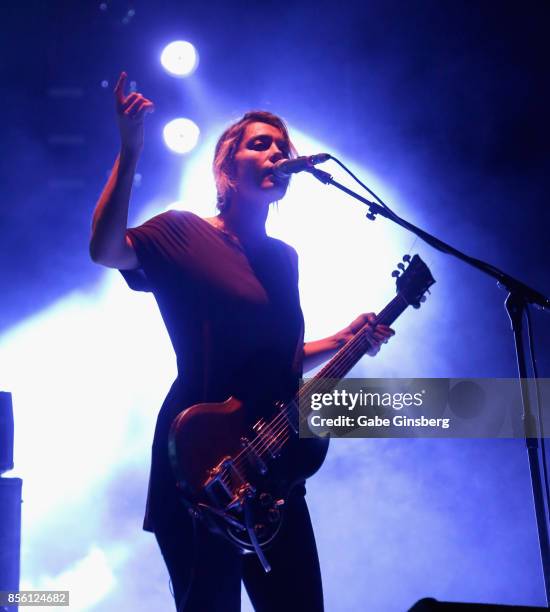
{"x":267,"y":438}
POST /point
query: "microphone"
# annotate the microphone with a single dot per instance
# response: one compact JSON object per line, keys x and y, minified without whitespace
{"x":285,"y":167}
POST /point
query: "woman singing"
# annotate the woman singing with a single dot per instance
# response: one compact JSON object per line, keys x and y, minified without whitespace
{"x":228,"y":294}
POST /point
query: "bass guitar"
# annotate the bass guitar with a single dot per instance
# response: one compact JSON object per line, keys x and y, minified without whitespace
{"x":238,"y":477}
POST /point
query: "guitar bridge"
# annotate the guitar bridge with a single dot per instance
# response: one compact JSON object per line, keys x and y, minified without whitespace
{"x":224,"y":483}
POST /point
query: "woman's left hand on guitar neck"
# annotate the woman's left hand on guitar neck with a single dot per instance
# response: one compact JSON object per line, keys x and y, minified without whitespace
{"x":320,"y":350}
{"x":379,"y":335}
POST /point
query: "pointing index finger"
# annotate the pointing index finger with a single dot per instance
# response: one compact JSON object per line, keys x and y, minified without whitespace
{"x":119,"y":87}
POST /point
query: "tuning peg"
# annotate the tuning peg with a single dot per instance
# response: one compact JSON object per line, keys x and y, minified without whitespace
{"x":423,"y":299}
{"x":371,"y":216}
{"x":401,"y":266}
{"x":406,"y":258}
{"x":395,"y":273}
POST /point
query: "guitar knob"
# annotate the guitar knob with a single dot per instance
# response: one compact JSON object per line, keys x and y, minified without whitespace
{"x":265,"y":499}
{"x":273,"y":515}
{"x":406,"y":258}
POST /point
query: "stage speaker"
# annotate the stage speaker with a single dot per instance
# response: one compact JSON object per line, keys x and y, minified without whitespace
{"x":10,"y":533}
{"x":432,"y":605}
{"x":6,"y":432}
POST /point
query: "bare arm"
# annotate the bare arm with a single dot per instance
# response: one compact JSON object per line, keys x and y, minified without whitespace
{"x":108,"y":244}
{"x":318,"y":351}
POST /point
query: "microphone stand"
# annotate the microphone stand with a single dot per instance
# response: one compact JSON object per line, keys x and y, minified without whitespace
{"x":519,"y":297}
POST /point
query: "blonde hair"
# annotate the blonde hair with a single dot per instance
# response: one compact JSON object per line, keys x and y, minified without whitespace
{"x":227,"y":147}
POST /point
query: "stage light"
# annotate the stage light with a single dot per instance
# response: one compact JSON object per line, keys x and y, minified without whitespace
{"x":181,"y":135}
{"x":179,"y":58}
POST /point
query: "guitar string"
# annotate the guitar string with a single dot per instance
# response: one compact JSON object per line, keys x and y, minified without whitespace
{"x":278,"y":429}
{"x":280,"y":422}
{"x":350,"y":357}
{"x":278,"y":432}
{"x":346,"y":363}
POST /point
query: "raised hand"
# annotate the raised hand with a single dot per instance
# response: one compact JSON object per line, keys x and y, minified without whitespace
{"x":131,"y":111}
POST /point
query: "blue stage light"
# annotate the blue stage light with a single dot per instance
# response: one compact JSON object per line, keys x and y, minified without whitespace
{"x":179,"y":58}
{"x":181,"y":135}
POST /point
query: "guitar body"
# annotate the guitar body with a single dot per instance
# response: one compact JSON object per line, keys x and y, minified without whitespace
{"x":236,"y":476}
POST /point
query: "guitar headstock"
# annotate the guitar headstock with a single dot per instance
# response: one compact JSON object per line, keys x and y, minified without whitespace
{"x":413,"y":281}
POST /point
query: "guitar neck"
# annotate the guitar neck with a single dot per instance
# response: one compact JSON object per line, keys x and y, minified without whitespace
{"x":352,"y":351}
{"x":411,"y":286}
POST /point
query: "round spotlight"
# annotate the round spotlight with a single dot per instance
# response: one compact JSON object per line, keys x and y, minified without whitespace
{"x":181,"y":135}
{"x":179,"y":58}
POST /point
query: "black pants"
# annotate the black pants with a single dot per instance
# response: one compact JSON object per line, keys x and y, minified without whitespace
{"x":206,"y":571}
